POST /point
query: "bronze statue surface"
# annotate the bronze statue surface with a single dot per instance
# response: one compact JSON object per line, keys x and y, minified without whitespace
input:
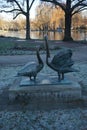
{"x":31,"y":69}
{"x":61,"y":62}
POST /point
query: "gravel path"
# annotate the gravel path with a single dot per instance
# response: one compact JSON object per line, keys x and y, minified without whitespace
{"x":73,"y":119}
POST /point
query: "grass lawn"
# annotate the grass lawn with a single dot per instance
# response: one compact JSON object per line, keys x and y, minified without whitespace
{"x":8,"y":45}
{"x":12,"y":45}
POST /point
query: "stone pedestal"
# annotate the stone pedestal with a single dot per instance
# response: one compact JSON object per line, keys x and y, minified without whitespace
{"x":61,"y":91}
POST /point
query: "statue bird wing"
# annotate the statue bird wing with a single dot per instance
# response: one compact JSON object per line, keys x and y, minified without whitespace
{"x":63,"y":58}
{"x":31,"y":66}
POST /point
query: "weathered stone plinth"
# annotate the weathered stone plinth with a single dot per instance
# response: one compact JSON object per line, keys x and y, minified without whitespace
{"x":67,"y":91}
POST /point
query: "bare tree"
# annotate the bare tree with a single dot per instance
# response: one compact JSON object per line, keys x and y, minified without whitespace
{"x":43,"y":12}
{"x":21,"y":7}
{"x":70,"y":8}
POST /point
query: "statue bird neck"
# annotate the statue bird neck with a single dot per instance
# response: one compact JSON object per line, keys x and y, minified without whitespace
{"x":47,"y":50}
{"x":39,"y":58}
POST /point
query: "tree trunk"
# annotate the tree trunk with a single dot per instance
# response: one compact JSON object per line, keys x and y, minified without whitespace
{"x":68,"y":20}
{"x":27,"y":21}
{"x":27,"y":26}
{"x":67,"y":33}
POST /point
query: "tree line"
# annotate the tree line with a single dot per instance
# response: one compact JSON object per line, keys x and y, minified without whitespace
{"x":13,"y":25}
{"x":50,"y":18}
{"x":69,"y":8}
{"x":43,"y":21}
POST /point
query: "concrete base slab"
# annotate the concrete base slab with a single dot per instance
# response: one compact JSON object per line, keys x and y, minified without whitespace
{"x":59,"y":92}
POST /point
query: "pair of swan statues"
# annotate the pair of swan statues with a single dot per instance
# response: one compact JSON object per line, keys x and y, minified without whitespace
{"x":61,"y":63}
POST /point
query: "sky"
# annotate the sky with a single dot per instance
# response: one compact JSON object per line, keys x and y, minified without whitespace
{"x":9,"y":16}
{"x":32,"y":12}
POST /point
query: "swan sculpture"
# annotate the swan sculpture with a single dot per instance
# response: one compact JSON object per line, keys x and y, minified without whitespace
{"x":31,"y":69}
{"x":61,"y":62}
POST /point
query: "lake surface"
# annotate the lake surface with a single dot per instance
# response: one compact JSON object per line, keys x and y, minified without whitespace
{"x":76,"y":35}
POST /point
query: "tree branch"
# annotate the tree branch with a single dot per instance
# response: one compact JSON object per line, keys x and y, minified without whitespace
{"x":78,"y":4}
{"x":17,"y":15}
{"x":9,"y":11}
{"x":20,"y":8}
{"x":79,"y":10}
{"x":56,"y":3}
{"x":31,"y":4}
{"x":18,"y":4}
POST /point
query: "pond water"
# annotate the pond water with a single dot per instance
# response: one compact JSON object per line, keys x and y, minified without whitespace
{"x":76,"y":35}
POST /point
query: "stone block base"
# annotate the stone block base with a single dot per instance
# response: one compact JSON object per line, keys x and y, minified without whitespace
{"x":47,"y":92}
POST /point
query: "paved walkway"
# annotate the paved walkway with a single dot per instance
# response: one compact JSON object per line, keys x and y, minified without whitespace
{"x":79,"y":54}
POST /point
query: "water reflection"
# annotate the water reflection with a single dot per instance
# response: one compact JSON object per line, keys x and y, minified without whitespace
{"x":77,"y":35}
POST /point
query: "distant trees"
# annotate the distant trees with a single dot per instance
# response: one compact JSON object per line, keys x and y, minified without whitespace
{"x":12,"y":25}
{"x":21,"y":7}
{"x":48,"y":17}
{"x":61,"y":13}
{"x":77,"y":20}
{"x":70,"y":8}
{"x":57,"y":18}
{"x":42,"y":19}
{"x":1,"y":23}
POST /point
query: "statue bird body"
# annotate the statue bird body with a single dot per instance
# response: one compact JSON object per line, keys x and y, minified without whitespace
{"x":61,"y":62}
{"x":31,"y":69}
